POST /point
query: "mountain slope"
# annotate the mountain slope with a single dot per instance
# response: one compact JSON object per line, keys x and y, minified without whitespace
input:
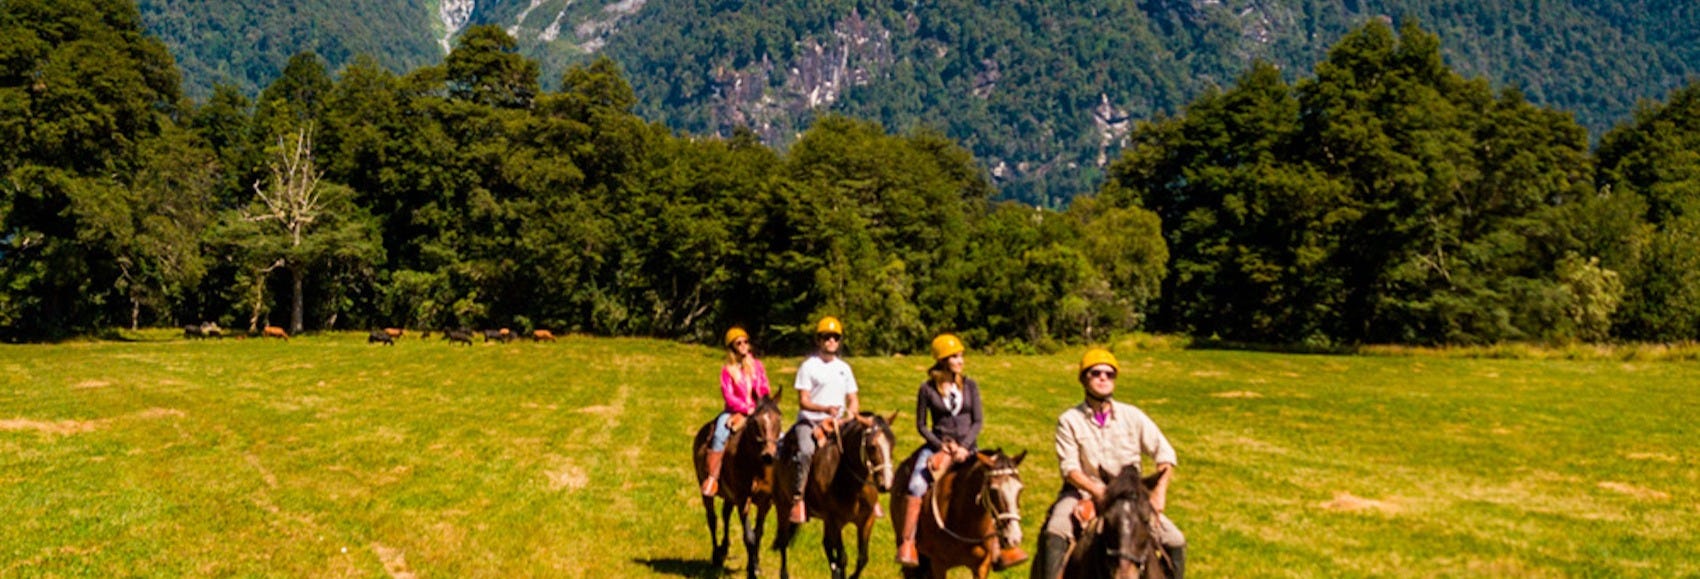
{"x":1042,"y":91}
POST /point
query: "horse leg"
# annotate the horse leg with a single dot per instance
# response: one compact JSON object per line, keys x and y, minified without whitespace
{"x":752,"y":541}
{"x":864,"y":532}
{"x":713,"y":532}
{"x":782,"y":543}
{"x":832,"y":541}
{"x":725,"y":544}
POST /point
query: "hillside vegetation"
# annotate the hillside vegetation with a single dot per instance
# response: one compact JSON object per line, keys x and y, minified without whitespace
{"x":1042,"y":92}
{"x":170,"y":457}
{"x":1388,"y":198}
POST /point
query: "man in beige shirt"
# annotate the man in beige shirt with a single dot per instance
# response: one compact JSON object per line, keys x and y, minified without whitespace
{"x":1102,"y":435}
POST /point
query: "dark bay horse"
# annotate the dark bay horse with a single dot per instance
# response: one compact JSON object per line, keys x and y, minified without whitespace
{"x":970,"y":514}
{"x":1122,"y":541}
{"x":845,"y":479}
{"x":746,"y":479}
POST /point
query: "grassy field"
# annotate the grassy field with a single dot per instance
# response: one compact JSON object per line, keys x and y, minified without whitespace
{"x":325,"y":456}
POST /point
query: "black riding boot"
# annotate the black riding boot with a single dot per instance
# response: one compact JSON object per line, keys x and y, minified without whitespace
{"x":1053,"y":554}
{"x":1177,"y":561}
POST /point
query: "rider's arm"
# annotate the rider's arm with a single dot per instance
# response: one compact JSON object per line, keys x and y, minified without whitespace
{"x":921,"y":415}
{"x":1160,"y":494}
{"x":804,"y":402}
{"x":852,"y":404}
{"x":1068,"y":459}
{"x":729,"y":392}
{"x":978,"y":414}
{"x":1089,"y":485}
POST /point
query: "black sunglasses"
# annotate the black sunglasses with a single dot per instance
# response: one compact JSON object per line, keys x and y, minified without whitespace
{"x":1096,"y":373}
{"x":825,"y":337}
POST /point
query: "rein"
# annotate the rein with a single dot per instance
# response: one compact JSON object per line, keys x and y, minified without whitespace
{"x":862,"y":456}
{"x":986,"y":503}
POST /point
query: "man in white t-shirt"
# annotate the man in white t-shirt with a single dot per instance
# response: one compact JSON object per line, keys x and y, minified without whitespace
{"x":826,"y":389}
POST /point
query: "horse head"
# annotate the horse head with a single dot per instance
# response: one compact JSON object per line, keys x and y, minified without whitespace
{"x":875,"y":448}
{"x":768,"y":425}
{"x":1129,"y":533}
{"x":1001,"y":494}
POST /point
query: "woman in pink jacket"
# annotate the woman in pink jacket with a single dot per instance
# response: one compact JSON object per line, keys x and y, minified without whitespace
{"x":743,"y":382}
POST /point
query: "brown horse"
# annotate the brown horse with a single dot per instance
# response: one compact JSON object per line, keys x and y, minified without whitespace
{"x":846,"y":477}
{"x":979,"y":516}
{"x":746,"y":479}
{"x":1122,"y":541}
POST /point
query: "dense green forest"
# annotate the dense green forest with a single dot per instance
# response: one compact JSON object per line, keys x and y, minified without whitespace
{"x":1043,"y":92}
{"x":1383,"y":198}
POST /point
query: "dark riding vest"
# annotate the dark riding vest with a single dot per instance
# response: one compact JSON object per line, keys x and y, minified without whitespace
{"x":963,"y":427}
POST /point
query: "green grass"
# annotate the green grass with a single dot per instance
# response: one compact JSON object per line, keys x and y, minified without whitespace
{"x":168,"y":457}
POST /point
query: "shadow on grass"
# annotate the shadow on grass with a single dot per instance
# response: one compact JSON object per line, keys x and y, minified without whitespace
{"x":683,"y":567}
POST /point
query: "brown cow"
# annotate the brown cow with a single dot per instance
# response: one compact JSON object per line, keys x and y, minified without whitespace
{"x":394,"y":333}
{"x":542,"y":335}
{"x":275,"y":332}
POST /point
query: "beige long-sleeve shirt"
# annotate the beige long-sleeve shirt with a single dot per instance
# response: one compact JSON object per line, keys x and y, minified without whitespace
{"x":1127,"y":433}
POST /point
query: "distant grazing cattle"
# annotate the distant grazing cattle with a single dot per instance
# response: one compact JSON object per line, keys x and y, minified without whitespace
{"x":205,"y":330}
{"x":394,"y":333}
{"x":380,"y":336}
{"x":275,"y":332}
{"x":458,"y":336}
{"x":542,"y":335}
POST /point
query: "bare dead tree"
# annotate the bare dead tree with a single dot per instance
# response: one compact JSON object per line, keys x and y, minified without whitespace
{"x":292,"y":200}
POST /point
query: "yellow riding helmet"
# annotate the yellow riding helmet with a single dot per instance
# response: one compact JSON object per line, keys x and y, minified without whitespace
{"x":947,"y":345}
{"x":829,"y":325}
{"x":733,"y":334}
{"x":1099,"y":356}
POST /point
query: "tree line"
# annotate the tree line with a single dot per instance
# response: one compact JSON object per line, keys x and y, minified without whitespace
{"x":1386,"y":199}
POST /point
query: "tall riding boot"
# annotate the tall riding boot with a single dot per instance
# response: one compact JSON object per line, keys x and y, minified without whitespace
{"x":799,"y":513}
{"x":1053,"y":555}
{"x":1177,"y":561}
{"x":711,"y":485}
{"x":906,"y":554}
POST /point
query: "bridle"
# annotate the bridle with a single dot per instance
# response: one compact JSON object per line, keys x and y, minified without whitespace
{"x":999,"y":516}
{"x":1141,"y":557}
{"x":872,"y":429}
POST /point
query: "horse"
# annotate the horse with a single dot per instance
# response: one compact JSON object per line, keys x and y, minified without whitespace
{"x":1122,"y":540}
{"x":840,"y":491}
{"x":746,"y":478}
{"x":980,"y":518}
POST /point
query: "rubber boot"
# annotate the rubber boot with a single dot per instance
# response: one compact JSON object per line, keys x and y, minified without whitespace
{"x":1177,"y":561}
{"x":1053,"y":556}
{"x":711,"y":485}
{"x":1009,"y":557}
{"x":799,"y":514}
{"x":906,"y":555}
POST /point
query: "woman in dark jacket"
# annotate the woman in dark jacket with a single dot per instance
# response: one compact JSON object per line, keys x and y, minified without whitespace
{"x":951,"y":401}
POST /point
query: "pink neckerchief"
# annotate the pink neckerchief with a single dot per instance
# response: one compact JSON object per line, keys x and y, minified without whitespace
{"x":1103,"y":417}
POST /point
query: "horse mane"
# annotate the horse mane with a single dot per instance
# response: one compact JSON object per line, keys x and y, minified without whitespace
{"x":765,"y":403}
{"x":1126,"y":485}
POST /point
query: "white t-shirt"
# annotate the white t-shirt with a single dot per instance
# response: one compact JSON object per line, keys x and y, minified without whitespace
{"x":828,"y":383}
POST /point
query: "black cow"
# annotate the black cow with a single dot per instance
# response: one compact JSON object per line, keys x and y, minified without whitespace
{"x":380,"y":336}
{"x":464,"y":336}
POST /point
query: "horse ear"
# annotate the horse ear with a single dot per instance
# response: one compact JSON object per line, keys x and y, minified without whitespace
{"x":985,"y":460}
{"x":893,"y":418}
{"x":865,"y":421}
{"x":1019,"y":457}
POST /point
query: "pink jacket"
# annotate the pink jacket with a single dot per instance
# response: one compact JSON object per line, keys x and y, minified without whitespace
{"x":739,"y":399}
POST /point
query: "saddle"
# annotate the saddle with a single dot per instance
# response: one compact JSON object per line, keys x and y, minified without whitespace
{"x":824,"y":431}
